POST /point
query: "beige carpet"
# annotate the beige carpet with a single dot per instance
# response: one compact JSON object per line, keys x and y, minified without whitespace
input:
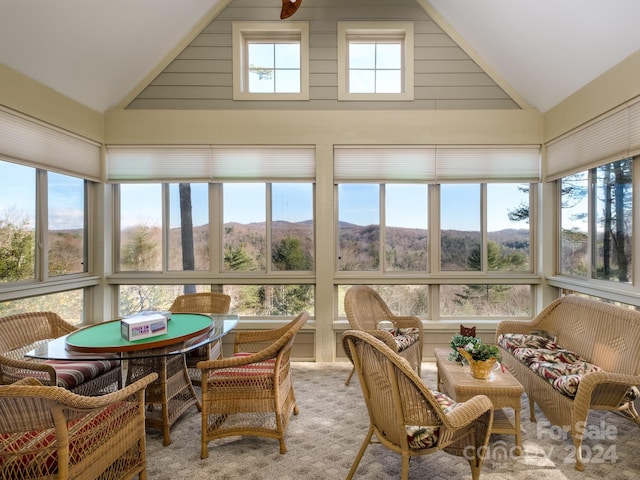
{"x":324,"y":438}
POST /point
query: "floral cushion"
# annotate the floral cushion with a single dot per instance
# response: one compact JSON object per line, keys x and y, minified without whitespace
{"x":421,"y":437}
{"x":560,"y":367}
{"x":404,"y":337}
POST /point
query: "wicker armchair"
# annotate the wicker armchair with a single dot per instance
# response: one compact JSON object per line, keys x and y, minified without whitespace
{"x":204,"y":302}
{"x":50,"y":433}
{"x":406,"y":416}
{"x":251,"y":393}
{"x":365,"y":309}
{"x":24,"y":331}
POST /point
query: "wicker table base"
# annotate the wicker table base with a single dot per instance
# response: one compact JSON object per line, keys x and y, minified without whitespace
{"x":169,"y":396}
{"x":503,"y":390}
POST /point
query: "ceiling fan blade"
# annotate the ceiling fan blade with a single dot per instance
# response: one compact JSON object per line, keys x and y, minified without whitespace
{"x":289,"y":7}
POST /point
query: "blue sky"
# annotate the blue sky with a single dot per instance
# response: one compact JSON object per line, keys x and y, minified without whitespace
{"x":245,"y":202}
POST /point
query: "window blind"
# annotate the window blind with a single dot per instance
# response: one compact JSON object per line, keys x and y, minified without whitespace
{"x":488,"y":163}
{"x":438,"y":163}
{"x":401,"y":163}
{"x":610,"y":137}
{"x":209,"y":163}
{"x":39,"y":145}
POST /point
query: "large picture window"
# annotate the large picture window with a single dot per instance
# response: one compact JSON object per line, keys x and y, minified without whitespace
{"x":274,"y":217}
{"x":596,"y":223}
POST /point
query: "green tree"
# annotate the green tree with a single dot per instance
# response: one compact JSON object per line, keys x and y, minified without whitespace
{"x":495,"y":259}
{"x":141,"y":252}
{"x":289,"y":254}
{"x":237,"y":259}
{"x":17,"y":250}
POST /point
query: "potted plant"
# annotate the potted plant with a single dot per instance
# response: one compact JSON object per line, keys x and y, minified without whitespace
{"x":460,"y":341}
{"x":481,"y":357}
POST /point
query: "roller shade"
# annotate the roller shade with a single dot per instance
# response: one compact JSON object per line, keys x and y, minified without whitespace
{"x":441,"y":163}
{"x":209,"y":163}
{"x":39,"y":145}
{"x":610,"y":137}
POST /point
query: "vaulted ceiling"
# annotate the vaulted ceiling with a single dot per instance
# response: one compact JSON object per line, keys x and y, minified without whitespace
{"x":97,"y":51}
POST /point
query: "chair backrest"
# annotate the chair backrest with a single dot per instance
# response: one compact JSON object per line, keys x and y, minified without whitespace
{"x":394,"y":394}
{"x":204,"y":302}
{"x":23,"y":329}
{"x":279,"y":340}
{"x":365,"y":308}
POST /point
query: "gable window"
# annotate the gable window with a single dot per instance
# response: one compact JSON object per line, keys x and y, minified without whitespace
{"x":270,"y":61}
{"x":375,"y":61}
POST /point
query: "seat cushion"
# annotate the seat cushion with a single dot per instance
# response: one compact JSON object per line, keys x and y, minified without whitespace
{"x":253,"y":374}
{"x":562,"y":368}
{"x":421,"y":437}
{"x":404,"y":337}
{"x":25,"y":453}
{"x":72,"y":374}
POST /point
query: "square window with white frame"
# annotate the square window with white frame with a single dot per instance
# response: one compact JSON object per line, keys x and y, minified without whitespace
{"x":375,"y":61}
{"x":270,"y":61}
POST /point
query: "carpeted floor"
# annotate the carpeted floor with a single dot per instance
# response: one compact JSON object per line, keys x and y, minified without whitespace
{"x":324,"y":438}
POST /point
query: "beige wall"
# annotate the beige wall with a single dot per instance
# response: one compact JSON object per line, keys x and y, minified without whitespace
{"x":610,"y":90}
{"x":24,"y":95}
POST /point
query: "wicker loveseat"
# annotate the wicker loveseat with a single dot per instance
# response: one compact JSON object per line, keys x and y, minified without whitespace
{"x":576,"y":355}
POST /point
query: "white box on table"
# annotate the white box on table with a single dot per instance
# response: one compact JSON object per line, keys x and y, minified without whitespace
{"x":138,"y":327}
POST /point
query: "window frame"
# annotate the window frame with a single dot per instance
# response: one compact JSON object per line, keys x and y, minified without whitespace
{"x":376,"y":31}
{"x":242,"y":32}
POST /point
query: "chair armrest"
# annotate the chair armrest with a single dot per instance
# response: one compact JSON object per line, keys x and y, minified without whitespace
{"x":29,"y":381}
{"x":591,"y":382}
{"x":83,"y":402}
{"x":385,"y":337}
{"x":514,"y":326}
{"x":230,"y":362}
{"x":9,"y":363}
{"x":31,"y":386}
{"x":406,"y":321}
{"x":468,"y":412}
{"x":259,"y":338}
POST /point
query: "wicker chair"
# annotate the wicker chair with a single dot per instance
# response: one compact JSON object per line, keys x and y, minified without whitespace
{"x":365,"y":309}
{"x":50,"y":433}
{"x":251,"y":393}
{"x":406,"y":416}
{"x":204,"y":302}
{"x":24,"y":331}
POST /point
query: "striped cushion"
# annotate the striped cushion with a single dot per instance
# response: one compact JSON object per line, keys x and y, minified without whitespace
{"x":258,"y":372}
{"x":72,"y":374}
{"x":84,"y":439}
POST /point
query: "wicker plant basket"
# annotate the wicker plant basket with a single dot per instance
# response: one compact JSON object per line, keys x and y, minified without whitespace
{"x":479,"y":368}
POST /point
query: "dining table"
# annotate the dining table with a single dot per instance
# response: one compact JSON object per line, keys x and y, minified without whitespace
{"x":168,"y":397}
